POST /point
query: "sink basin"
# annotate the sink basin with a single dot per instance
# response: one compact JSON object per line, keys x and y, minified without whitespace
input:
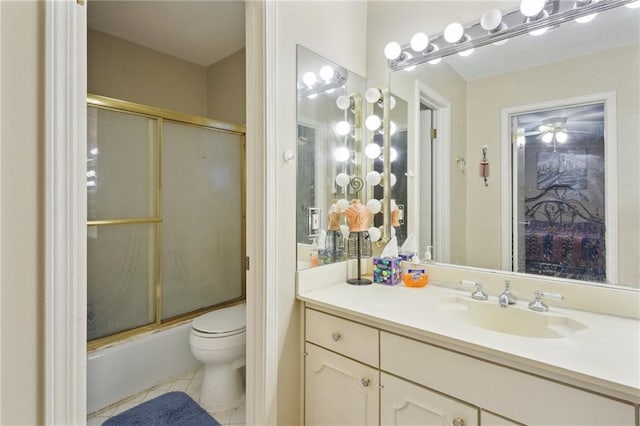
{"x":515,"y":320}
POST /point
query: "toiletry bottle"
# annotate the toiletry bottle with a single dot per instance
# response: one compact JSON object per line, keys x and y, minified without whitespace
{"x":313,"y":254}
{"x":428,"y":256}
{"x":416,"y":274}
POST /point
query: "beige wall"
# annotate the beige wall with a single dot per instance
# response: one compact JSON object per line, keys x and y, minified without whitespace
{"x":226,"y":92}
{"x":614,"y":70}
{"x":124,"y":70}
{"x":337,"y":31}
{"x":22,"y":205}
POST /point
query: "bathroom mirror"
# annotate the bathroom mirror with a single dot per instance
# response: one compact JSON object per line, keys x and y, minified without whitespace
{"x":553,"y":96}
{"x":329,"y":150}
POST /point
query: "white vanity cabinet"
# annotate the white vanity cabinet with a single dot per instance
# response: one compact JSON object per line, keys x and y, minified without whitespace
{"x":342,"y":382}
{"x":356,"y":374}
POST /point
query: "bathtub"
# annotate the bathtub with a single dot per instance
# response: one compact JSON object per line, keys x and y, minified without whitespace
{"x":126,"y":368}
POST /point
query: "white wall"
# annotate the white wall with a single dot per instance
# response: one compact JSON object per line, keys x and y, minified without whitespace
{"x":21,"y":211}
{"x":337,"y":31}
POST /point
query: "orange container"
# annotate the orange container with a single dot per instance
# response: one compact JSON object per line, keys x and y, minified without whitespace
{"x":415,"y":277}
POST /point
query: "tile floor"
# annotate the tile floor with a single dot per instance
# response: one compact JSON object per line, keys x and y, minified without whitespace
{"x":189,"y":383}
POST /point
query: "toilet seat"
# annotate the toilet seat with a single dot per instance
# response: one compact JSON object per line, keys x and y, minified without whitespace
{"x":221,"y":323}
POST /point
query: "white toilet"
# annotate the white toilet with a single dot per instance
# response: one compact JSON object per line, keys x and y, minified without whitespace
{"x":218,"y":340}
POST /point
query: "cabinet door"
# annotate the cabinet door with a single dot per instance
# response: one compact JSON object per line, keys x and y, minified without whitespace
{"x":488,"y":419}
{"x":403,"y":403}
{"x":339,"y":391}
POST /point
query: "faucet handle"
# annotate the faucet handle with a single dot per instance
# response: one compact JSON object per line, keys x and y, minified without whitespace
{"x":478,"y":294}
{"x":507,"y":292}
{"x":538,"y":305}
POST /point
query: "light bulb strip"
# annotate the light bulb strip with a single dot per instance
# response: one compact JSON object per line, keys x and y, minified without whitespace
{"x":559,"y":12}
{"x":338,"y":80}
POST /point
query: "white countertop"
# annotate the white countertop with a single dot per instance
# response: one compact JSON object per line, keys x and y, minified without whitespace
{"x":603,"y":357}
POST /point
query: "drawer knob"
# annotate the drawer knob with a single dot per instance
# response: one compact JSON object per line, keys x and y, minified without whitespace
{"x":458,"y":421}
{"x":336,"y":336}
{"x":365,"y":382}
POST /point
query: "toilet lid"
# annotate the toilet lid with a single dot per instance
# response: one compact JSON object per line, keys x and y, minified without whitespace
{"x":222,"y":321}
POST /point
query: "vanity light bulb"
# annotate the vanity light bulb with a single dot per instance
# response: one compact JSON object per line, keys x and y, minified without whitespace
{"x":94,"y":151}
{"x":434,"y":49}
{"x":374,"y":206}
{"x":372,"y":95}
{"x":547,"y":137}
{"x":634,"y":5}
{"x":373,"y":178}
{"x":562,"y":136}
{"x":419,"y":42}
{"x":374,"y":234}
{"x":408,"y":56}
{"x":373,"y":122}
{"x":392,"y":50}
{"x":393,"y":157}
{"x":342,"y":179}
{"x":326,"y":73}
{"x":312,"y":96}
{"x":587,"y":18}
{"x":91,"y":173}
{"x":539,"y":32}
{"x":309,"y":79}
{"x":466,"y":52}
{"x":392,"y":102}
{"x":372,"y":151}
{"x":330,"y":91}
{"x":392,"y":130}
{"x":394,"y":179}
{"x":343,"y":128}
{"x":343,"y":205}
{"x":491,"y":20}
{"x":342,"y":154}
{"x":453,"y":32}
{"x":530,"y":8}
{"x":343,"y":102}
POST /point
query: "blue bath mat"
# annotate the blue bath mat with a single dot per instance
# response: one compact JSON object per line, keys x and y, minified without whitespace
{"x":170,"y":409}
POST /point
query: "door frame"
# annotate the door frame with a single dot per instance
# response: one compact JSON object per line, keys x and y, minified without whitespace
{"x":65,"y":213}
{"x":508,"y":202}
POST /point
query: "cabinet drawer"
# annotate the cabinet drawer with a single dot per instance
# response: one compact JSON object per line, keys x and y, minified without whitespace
{"x":351,"y":339}
{"x":514,"y":394}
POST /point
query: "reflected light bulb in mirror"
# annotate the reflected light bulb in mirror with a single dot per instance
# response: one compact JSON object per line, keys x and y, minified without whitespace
{"x":94,"y":151}
{"x":373,"y":122}
{"x":343,"y":128}
{"x":373,"y":178}
{"x":466,"y":52}
{"x":326,"y":73}
{"x":453,"y":32}
{"x":343,"y":205}
{"x":531,"y":8}
{"x":343,"y":102}
{"x":408,"y":56}
{"x":394,"y":179}
{"x":419,"y":42}
{"x":392,"y":130}
{"x":342,"y":179}
{"x":491,"y":20}
{"x":394,"y":154}
{"x":372,"y":95}
{"x":374,"y":206}
{"x":587,"y":18}
{"x":392,"y":50}
{"x":547,"y":137}
{"x":562,"y":136}
{"x":312,"y":96}
{"x":392,"y":102}
{"x":374,"y":234}
{"x":342,"y":154}
{"x":372,"y":151}
{"x":309,"y":79}
{"x":634,"y":5}
{"x":539,"y":32}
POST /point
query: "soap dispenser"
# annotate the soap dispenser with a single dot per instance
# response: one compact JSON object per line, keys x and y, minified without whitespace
{"x":416,"y":274}
{"x":428,"y":256}
{"x":313,"y":254}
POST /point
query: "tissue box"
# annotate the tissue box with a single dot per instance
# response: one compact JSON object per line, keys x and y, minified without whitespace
{"x":387,"y":270}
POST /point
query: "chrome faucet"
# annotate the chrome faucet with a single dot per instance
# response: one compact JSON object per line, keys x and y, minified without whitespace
{"x":538,"y":305}
{"x":506,"y":298}
{"x":478,"y":294}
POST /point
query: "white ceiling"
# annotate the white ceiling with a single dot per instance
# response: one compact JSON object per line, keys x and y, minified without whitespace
{"x":200,"y":32}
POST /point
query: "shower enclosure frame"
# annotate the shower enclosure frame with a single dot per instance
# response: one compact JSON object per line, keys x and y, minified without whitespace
{"x":161,"y":116}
